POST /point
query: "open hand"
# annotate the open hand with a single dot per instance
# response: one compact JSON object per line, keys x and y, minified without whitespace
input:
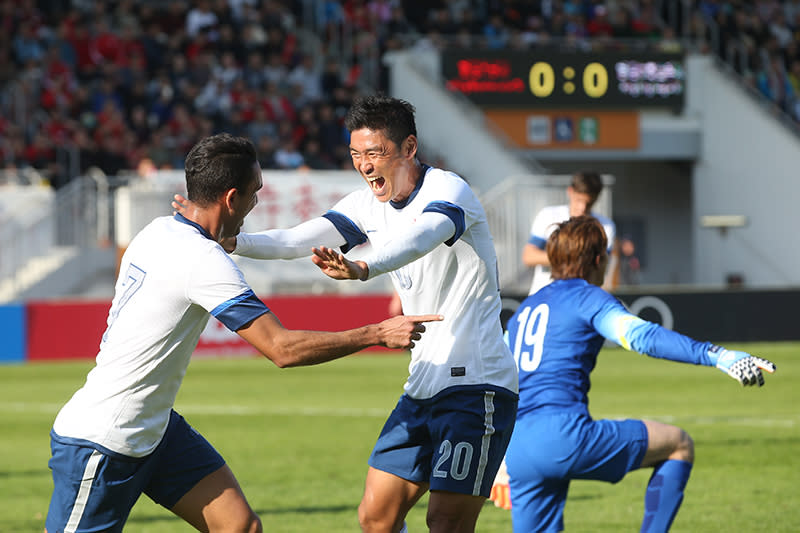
{"x":741,"y":366}
{"x":180,"y":204}
{"x":402,"y":331}
{"x":335,"y":265}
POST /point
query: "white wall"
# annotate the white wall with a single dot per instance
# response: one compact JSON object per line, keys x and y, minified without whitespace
{"x":750,"y":165}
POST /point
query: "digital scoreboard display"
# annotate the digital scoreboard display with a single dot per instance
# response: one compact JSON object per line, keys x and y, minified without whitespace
{"x":530,"y":79}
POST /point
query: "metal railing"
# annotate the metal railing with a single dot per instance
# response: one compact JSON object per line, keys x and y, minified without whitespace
{"x":510,"y":208}
{"x":51,"y":228}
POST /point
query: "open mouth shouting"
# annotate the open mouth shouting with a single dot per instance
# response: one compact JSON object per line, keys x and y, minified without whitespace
{"x":377,"y":184}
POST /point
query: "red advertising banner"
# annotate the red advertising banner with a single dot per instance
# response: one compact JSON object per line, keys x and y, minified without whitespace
{"x":65,"y":329}
{"x":72,"y":330}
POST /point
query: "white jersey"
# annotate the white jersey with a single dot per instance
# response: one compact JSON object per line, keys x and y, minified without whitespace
{"x":457,"y":279}
{"x":173,"y":276}
{"x":544,"y":224}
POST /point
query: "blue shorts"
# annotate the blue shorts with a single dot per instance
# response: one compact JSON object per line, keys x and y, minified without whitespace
{"x":454,"y":441}
{"x":549,"y":450}
{"x":115,"y":482}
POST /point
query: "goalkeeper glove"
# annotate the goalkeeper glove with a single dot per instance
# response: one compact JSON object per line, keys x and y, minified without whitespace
{"x":500,"y":494}
{"x":741,"y":366}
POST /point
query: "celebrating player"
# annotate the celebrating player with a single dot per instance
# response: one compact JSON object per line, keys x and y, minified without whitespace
{"x":555,"y":336}
{"x":118,"y":436}
{"x":450,"y":428}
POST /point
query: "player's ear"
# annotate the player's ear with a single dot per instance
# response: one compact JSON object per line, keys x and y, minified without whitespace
{"x":230,"y":197}
{"x":410,"y":146}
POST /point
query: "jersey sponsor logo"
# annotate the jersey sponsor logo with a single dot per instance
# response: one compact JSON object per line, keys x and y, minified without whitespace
{"x":458,"y":371}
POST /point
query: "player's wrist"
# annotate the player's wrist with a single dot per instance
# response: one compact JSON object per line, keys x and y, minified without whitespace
{"x":364,"y":274}
{"x":714,"y":352}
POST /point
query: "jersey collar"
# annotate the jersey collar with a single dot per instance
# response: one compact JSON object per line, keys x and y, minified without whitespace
{"x":201,"y":229}
{"x":403,"y":203}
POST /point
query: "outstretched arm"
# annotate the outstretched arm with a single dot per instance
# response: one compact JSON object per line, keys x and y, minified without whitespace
{"x":289,"y":243}
{"x":633,"y":333}
{"x":430,"y":230}
{"x":288,"y":348}
{"x":276,"y":243}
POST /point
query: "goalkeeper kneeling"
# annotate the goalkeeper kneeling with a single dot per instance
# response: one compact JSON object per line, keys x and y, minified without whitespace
{"x":556,"y":335}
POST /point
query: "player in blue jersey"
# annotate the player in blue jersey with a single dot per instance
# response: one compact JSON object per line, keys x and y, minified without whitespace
{"x":450,"y":428}
{"x":555,"y":336}
{"x":118,"y":436}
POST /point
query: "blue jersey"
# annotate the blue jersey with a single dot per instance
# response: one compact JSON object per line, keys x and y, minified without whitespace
{"x":557,"y":332}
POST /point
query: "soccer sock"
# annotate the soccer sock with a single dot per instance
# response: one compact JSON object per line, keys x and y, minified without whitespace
{"x":664,"y":495}
{"x":404,"y":529}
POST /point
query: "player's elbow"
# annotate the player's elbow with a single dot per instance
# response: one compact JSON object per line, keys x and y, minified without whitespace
{"x":281,"y":356}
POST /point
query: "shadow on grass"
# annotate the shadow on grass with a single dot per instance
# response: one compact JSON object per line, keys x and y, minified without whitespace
{"x":308,"y":509}
{"x":169,"y":517}
{"x":24,"y":473}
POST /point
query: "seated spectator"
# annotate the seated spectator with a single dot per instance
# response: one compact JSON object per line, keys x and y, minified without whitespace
{"x":287,"y":156}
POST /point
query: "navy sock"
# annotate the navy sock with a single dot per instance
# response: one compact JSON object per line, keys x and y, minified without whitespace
{"x":664,"y":495}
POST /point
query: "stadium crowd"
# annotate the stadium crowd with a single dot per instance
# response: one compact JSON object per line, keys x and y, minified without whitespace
{"x":131,"y":85}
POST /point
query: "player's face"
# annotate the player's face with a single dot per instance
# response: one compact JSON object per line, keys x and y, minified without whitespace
{"x":580,"y":203}
{"x":243,"y":203}
{"x":388,"y":169}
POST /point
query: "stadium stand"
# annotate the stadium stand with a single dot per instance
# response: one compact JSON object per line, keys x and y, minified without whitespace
{"x":128,"y":86}
{"x":114,"y":90}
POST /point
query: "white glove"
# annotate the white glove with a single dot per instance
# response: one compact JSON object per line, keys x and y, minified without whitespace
{"x":741,"y":366}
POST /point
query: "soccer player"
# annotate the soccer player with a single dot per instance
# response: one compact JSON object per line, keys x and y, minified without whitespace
{"x":450,"y":428}
{"x":118,"y":436}
{"x":582,"y":193}
{"x":555,"y":336}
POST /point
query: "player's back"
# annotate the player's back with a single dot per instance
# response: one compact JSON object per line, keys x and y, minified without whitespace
{"x":153,"y":326}
{"x":555,"y":345}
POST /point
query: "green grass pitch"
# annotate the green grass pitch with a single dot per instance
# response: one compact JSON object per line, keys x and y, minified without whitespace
{"x":298,"y":440}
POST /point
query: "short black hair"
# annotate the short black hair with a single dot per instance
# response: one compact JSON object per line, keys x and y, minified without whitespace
{"x":217,"y":164}
{"x":587,"y":182}
{"x":378,"y":112}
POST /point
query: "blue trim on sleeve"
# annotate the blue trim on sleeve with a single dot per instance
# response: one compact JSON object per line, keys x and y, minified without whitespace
{"x":538,"y":242}
{"x":451,"y":211}
{"x":348,"y":229}
{"x":237,"y":312}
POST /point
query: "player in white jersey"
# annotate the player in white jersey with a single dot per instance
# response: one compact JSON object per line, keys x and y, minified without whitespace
{"x":427,"y":229}
{"x":582,"y":193}
{"x":118,"y":436}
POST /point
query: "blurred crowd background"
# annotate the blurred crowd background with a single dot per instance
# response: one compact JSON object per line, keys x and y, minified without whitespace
{"x":129,"y":86}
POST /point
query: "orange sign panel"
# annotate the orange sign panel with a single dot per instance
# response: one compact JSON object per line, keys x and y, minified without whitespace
{"x":578,"y":129}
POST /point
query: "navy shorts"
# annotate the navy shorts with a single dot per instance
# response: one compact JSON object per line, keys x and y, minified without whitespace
{"x":549,"y":450}
{"x":95,"y":488}
{"x":454,"y":441}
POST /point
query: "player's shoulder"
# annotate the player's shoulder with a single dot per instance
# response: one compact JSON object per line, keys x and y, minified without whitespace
{"x":439,"y":177}
{"x":555,"y":211}
{"x":552,"y":214}
{"x":576,"y":293}
{"x":604,"y":220}
{"x":441,"y":184}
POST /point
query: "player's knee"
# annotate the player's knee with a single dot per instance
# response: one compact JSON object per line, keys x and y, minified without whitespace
{"x":684,"y":451}
{"x":244,"y":523}
{"x":371,"y":522}
{"x":440,"y":521}
{"x":255,"y":525}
